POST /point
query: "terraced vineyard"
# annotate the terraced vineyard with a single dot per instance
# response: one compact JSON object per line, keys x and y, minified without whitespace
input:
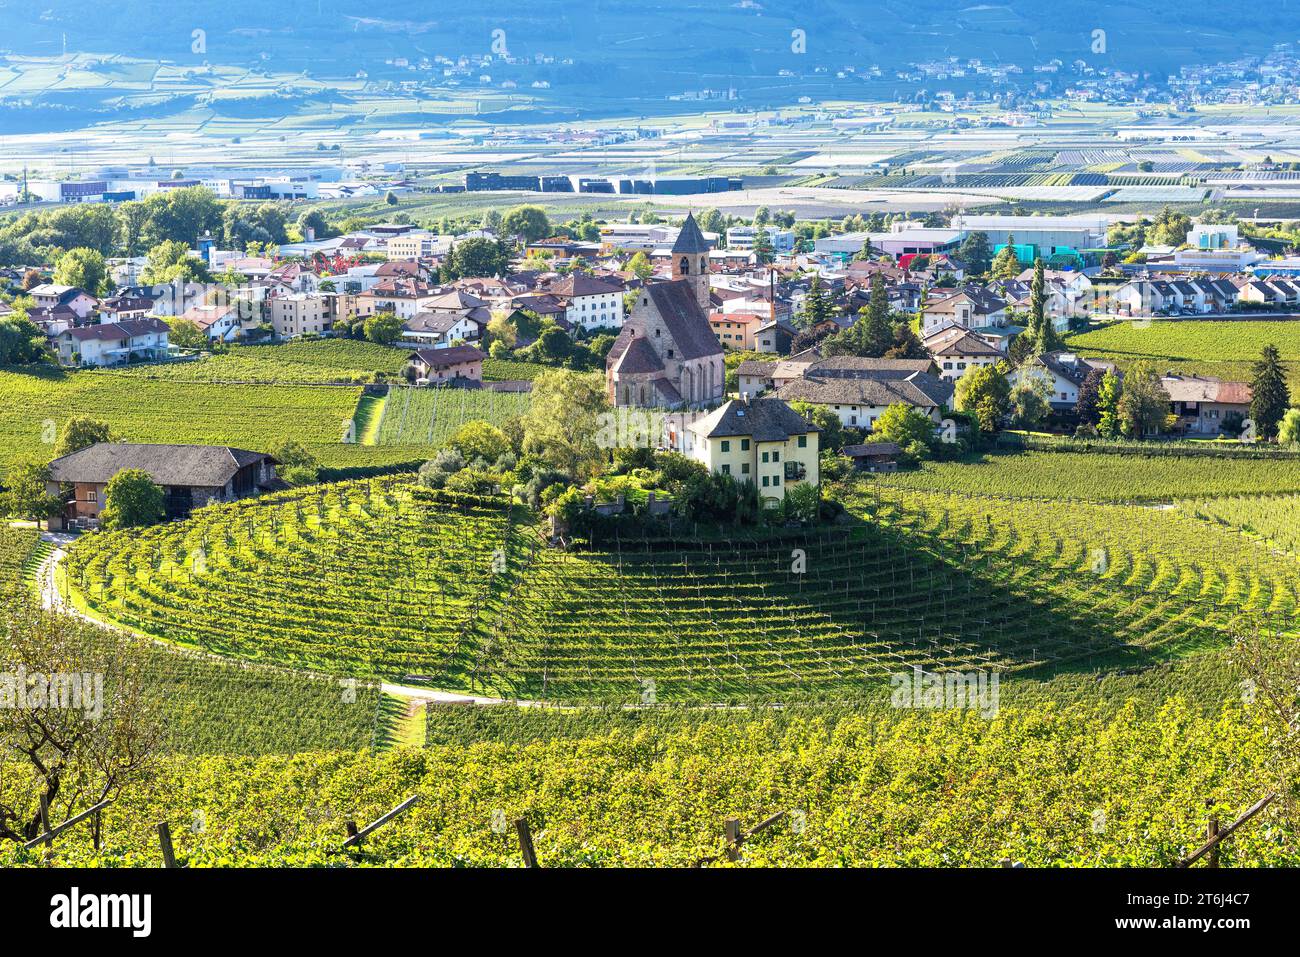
{"x":16,"y":547}
{"x":942,"y":581}
{"x":430,"y":416}
{"x":382,"y":578}
{"x":1168,"y":554}
{"x":1275,"y":519}
{"x":210,"y":706}
{"x":364,"y":578}
{"x":496,"y":370}
{"x":1101,"y":477}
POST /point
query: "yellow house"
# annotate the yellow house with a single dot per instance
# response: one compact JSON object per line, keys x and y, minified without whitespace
{"x":761,"y":439}
{"x":735,"y":330}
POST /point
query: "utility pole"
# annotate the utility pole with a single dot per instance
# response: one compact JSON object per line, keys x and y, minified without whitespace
{"x":771,"y":296}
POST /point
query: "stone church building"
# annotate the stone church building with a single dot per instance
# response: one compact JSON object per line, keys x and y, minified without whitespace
{"x":667,"y":355}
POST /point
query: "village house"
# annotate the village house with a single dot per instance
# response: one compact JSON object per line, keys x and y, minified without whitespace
{"x":762,"y":440}
{"x":403,"y":269}
{"x":51,"y":296}
{"x":125,"y":306}
{"x":219,"y":323}
{"x":294,"y":276}
{"x":543,"y":305}
{"x":859,"y":391}
{"x":754,"y":376}
{"x":440,"y":330}
{"x":251,"y":268}
{"x":1063,"y":373}
{"x":415,"y":245}
{"x":113,"y":343}
{"x":440,"y":366}
{"x":1153,"y":297}
{"x":301,"y":313}
{"x":449,"y":318}
{"x":736,"y":330}
{"x":54,"y":320}
{"x":590,"y":302}
{"x":399,"y":295}
{"x":775,"y":336}
{"x":191,"y":476}
{"x":956,"y":349}
{"x":1201,"y":403}
{"x":971,"y":307}
{"x":1271,"y":292}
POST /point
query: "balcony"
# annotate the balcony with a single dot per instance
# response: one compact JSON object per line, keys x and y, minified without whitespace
{"x":795,"y":471}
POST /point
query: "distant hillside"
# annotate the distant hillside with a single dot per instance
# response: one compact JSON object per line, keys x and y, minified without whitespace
{"x":625,"y":52}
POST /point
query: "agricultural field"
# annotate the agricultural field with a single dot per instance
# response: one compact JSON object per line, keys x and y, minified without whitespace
{"x":1275,"y":519}
{"x":939,"y":789}
{"x":1101,"y":477}
{"x":17,"y":546}
{"x":210,"y":706}
{"x":379,"y":578}
{"x":499,"y":370}
{"x":34,"y":405}
{"x":943,"y":581}
{"x":214,"y":706}
{"x":302,"y":362}
{"x":429,"y":416}
{"x":1222,"y":348}
{"x":364,"y":578}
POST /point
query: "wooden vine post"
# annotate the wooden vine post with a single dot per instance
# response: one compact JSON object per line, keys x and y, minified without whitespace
{"x":1215,"y":836}
{"x":526,"y":843}
{"x":165,"y":841}
{"x":731,"y":830}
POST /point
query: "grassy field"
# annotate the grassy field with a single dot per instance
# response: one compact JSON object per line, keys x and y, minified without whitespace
{"x":35,"y":405}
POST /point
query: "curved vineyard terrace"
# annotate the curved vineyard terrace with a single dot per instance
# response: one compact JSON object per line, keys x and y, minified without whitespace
{"x":382,"y":578}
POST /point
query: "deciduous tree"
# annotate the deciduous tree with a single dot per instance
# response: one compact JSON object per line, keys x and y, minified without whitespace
{"x":131,"y":499}
{"x":81,"y":432}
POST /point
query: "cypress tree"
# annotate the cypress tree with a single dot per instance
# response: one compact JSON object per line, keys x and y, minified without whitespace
{"x":1270,"y":397}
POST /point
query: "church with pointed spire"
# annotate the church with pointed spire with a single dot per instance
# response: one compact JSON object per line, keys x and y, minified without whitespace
{"x":667,"y":355}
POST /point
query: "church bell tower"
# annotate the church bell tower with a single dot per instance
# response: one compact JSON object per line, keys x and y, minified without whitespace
{"x":691,"y":260}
